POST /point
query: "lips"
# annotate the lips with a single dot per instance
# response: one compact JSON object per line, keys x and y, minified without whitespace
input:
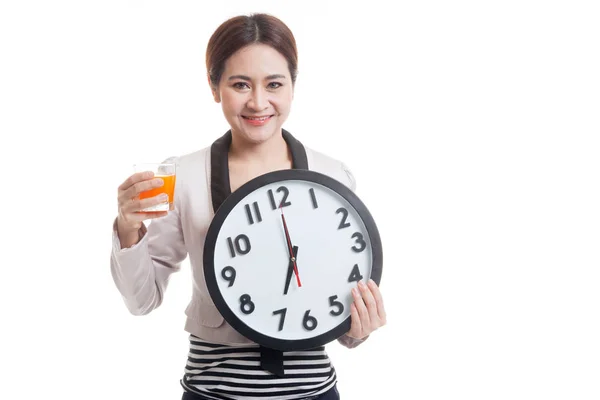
{"x":257,"y":120}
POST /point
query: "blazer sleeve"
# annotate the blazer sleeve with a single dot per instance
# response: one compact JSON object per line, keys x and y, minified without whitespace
{"x":141,"y":272}
{"x":350,"y":177}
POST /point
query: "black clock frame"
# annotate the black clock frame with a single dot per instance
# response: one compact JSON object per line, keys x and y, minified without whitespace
{"x":219,"y":218}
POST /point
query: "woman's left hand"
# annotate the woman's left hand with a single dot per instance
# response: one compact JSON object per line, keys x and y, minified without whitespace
{"x":367,"y":312}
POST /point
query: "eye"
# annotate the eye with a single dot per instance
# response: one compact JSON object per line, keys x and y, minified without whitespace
{"x":274,"y":85}
{"x":241,"y":85}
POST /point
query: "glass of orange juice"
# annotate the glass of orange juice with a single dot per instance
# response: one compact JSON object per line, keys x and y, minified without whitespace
{"x":166,"y":171}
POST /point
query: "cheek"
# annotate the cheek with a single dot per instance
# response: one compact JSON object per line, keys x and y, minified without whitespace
{"x":284,"y":103}
{"x":231,"y":103}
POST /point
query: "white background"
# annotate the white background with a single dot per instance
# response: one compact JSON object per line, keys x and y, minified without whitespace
{"x":471,"y":126}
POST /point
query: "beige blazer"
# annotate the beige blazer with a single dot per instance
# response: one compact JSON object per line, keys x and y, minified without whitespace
{"x":141,"y":272}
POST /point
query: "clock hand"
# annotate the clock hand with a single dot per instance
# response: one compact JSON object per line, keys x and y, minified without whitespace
{"x":290,"y":271}
{"x":289,"y":242}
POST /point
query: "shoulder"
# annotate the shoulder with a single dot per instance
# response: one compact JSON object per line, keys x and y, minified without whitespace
{"x":191,"y":161}
{"x":337,"y":169}
{"x":191,"y":166}
{"x":193,"y":158}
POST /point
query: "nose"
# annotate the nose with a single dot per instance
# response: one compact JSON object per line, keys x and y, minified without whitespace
{"x":258,"y":100}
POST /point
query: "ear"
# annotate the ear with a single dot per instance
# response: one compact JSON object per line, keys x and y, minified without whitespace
{"x":214,"y":90}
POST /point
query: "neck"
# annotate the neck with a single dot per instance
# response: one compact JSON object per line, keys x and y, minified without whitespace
{"x":272,"y":151}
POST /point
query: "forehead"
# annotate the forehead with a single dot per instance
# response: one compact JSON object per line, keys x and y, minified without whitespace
{"x":255,"y":61}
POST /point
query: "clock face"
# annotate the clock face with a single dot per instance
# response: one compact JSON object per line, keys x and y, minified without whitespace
{"x":282,"y":255}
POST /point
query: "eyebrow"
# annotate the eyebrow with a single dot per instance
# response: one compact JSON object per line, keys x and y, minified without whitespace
{"x":247,"y":78}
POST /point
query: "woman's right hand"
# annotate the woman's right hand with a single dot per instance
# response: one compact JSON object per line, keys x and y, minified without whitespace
{"x":130,"y":219}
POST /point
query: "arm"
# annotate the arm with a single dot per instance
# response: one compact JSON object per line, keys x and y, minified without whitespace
{"x":141,"y":272}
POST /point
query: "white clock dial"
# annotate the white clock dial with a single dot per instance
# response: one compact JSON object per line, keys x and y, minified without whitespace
{"x":247,"y":258}
{"x":252,"y":259}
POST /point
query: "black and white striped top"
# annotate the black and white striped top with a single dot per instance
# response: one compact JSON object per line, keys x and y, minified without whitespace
{"x":218,"y":371}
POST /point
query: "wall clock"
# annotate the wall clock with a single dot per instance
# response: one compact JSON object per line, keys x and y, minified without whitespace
{"x":282,"y":254}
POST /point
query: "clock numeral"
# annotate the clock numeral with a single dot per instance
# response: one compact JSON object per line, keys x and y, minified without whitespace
{"x":246,"y":304}
{"x":309,"y":322}
{"x":360,"y":241}
{"x":256,"y":212}
{"x":313,"y":198}
{"x":334,"y":303}
{"x":343,"y":223}
{"x":228,"y":273}
{"x":235,"y":246}
{"x":282,"y":319}
{"x":355,"y":275}
{"x":284,"y":202}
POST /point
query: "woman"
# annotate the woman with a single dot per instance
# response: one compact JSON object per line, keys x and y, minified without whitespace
{"x":252,"y":67}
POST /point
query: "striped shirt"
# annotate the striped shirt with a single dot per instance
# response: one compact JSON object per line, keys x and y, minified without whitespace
{"x":218,"y":371}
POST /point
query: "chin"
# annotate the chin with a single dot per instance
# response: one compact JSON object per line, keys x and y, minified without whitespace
{"x":260,"y":135}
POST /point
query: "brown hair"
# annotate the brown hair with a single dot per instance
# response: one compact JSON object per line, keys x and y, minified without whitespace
{"x":241,"y":31}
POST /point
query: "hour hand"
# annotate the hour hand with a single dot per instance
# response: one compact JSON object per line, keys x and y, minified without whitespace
{"x":290,"y":270}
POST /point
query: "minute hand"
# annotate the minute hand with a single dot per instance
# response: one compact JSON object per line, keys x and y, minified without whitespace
{"x":289,"y":242}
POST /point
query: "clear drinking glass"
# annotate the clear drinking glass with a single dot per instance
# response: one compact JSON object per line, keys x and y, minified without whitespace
{"x":166,"y":171}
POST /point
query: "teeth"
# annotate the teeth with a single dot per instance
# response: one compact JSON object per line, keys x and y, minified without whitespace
{"x":257,"y":119}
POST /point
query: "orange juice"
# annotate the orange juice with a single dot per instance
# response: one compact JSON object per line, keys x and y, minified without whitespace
{"x":168,"y":187}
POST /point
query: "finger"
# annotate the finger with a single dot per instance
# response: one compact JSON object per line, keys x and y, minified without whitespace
{"x":136,"y":205}
{"x":370,"y":303}
{"x":363,"y":313}
{"x":378,"y":299}
{"x":133,"y":191}
{"x":135,"y":178}
{"x":368,"y":297}
{"x":356,"y":326}
{"x":152,"y":201}
{"x":144,"y":186}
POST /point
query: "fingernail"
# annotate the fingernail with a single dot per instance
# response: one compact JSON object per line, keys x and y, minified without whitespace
{"x":361,"y":284}
{"x":159,"y":182}
{"x":354,"y":292}
{"x":163,"y":197}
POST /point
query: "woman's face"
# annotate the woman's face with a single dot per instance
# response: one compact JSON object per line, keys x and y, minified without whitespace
{"x":255,"y":93}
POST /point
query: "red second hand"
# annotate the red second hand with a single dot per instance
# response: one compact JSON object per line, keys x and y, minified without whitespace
{"x":287,"y":235}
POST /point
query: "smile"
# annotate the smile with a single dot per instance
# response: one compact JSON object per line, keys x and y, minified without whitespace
{"x":257,"y":121}
{"x":258,"y":118}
